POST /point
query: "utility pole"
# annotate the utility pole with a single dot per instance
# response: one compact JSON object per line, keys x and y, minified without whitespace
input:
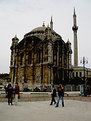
{"x":84,"y":61}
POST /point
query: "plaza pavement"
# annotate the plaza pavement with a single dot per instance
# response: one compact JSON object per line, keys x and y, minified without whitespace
{"x":74,"y":110}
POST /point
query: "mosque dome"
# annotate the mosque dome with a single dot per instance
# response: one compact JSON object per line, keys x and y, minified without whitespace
{"x":41,"y":31}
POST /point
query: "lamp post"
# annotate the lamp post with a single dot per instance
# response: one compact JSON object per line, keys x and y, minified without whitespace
{"x":84,"y":61}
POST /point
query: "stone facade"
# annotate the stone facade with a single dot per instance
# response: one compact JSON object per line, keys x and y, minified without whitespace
{"x":40,"y":58}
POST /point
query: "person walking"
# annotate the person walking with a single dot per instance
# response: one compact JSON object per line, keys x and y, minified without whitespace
{"x":60,"y":95}
{"x":10,"y":94}
{"x":17,"y":93}
{"x":53,"y":95}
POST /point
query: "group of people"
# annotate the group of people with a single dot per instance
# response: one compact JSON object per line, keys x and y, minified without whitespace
{"x":60,"y":90}
{"x":12,"y":93}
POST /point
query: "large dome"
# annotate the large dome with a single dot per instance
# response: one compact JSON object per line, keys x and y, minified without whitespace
{"x":41,"y":29}
{"x":40,"y":32}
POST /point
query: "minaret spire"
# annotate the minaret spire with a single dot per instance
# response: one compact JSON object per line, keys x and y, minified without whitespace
{"x":74,"y":11}
{"x":75,"y":28}
{"x":51,"y":23}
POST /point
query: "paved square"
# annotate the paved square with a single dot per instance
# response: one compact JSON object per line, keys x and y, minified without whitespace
{"x":42,"y":111}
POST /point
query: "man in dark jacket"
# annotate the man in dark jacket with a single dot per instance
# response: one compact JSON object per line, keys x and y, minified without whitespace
{"x":60,"y":95}
{"x":53,"y":95}
{"x":10,"y":94}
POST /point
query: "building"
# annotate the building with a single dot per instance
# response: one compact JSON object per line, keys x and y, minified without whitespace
{"x":43,"y":58}
{"x":80,"y":76}
{"x":40,"y":58}
{"x":4,"y":80}
{"x":78,"y":71}
{"x":81,"y":72}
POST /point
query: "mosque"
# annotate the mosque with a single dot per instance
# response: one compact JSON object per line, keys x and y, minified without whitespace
{"x":40,"y":58}
{"x":43,"y":58}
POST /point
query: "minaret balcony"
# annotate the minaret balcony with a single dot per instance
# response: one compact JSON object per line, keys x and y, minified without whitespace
{"x":75,"y":28}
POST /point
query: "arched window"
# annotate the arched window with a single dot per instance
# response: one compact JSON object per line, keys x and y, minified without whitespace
{"x":38,"y":56}
{"x":73,"y":74}
{"x":11,"y":60}
{"x":76,"y":74}
{"x":80,"y":74}
{"x":55,"y":54}
{"x":46,"y":53}
{"x":21,"y":59}
{"x":30,"y":57}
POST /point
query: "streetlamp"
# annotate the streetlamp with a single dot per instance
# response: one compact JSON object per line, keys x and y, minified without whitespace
{"x":84,"y":61}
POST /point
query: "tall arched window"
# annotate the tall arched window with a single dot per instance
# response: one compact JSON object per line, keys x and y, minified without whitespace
{"x":55,"y":54}
{"x":38,"y":56}
{"x":21,"y":59}
{"x":46,"y":53}
{"x":30,"y":57}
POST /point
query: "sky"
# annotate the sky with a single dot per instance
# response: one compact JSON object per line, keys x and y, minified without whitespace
{"x":18,"y":17}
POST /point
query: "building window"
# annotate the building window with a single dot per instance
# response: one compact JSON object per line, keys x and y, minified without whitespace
{"x":45,"y":58}
{"x":55,"y":60}
{"x":38,"y":56}
{"x":60,"y":56}
{"x":46,"y":50}
{"x":29,"y":57}
{"x":80,"y":74}
{"x":76,"y":74}
{"x":55,"y":56}
{"x":11,"y":60}
{"x":22,"y":59}
{"x":73,"y":74}
{"x":46,"y":53}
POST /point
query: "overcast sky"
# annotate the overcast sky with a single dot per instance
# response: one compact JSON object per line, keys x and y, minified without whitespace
{"x":21,"y":16}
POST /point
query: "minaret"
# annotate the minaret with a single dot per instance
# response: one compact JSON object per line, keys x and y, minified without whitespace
{"x":51,"y":24}
{"x":75,"y":28}
{"x":13,"y":61}
{"x":69,"y":53}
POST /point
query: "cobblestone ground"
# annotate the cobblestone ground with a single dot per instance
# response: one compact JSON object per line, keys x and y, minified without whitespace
{"x":42,"y":111}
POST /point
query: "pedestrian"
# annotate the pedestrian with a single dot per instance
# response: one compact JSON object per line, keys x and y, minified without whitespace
{"x":53,"y":95}
{"x":10,"y":94}
{"x":17,"y":93}
{"x":60,"y":95}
